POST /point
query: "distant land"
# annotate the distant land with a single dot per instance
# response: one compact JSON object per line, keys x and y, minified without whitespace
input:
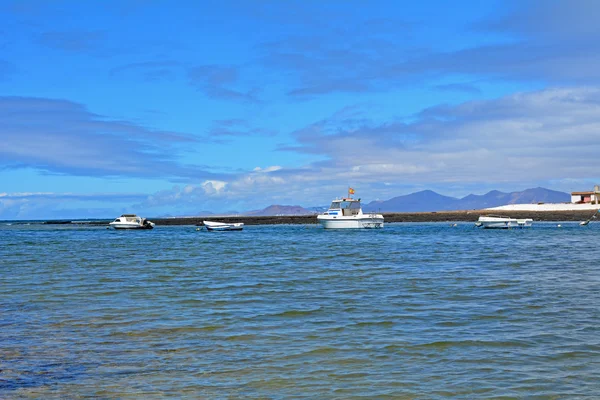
{"x":423,"y":206}
{"x":428,"y":200}
{"x":423,"y":201}
{"x":274,"y":210}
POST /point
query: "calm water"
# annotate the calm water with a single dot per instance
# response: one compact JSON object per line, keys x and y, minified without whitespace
{"x":411,"y":311}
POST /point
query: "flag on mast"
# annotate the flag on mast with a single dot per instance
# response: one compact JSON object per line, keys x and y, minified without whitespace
{"x":350,"y":191}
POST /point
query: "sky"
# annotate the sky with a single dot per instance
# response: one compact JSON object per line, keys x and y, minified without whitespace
{"x":179,"y":108}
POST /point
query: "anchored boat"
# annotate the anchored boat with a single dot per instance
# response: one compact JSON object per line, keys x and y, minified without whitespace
{"x":221,"y":226}
{"x":347,"y":213}
{"x":500,"y":222}
{"x":131,"y":221}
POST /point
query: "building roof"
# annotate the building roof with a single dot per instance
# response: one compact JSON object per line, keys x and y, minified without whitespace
{"x":582,"y":193}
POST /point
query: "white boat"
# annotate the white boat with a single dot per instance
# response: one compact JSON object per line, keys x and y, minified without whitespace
{"x":222,"y":226}
{"x":500,"y":222}
{"x":347,"y":213}
{"x":131,"y":221}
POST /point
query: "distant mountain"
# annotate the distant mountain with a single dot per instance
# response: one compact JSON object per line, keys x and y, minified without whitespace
{"x":529,"y":196}
{"x":204,"y":213}
{"x":428,"y":200}
{"x":199,"y":214}
{"x":280,"y":210}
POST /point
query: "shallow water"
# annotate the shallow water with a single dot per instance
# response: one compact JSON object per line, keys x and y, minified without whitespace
{"x":410,"y":311}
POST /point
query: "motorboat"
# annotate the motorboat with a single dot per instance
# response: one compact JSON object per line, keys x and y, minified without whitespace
{"x":131,"y":221}
{"x":500,"y":222}
{"x":222,"y":226}
{"x":347,"y":213}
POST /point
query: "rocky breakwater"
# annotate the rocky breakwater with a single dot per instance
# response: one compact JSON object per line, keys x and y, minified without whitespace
{"x":441,"y":216}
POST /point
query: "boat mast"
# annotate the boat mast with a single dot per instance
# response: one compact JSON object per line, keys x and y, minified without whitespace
{"x":350,"y":192}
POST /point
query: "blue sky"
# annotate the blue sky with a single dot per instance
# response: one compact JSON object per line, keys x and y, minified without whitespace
{"x":163,"y":108}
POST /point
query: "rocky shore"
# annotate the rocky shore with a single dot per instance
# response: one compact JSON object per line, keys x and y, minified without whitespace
{"x":441,"y":216}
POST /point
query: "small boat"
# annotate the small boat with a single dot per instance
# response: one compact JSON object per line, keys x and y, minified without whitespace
{"x":586,"y":222}
{"x":131,"y":221}
{"x":500,"y":222}
{"x":222,"y":226}
{"x":347,"y":213}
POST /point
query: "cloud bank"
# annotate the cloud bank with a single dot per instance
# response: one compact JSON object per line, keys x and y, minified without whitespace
{"x":63,"y":137}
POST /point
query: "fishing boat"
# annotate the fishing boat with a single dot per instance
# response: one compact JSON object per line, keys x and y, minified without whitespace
{"x":131,"y":221}
{"x":347,"y":213}
{"x":500,"y":222}
{"x":222,"y":226}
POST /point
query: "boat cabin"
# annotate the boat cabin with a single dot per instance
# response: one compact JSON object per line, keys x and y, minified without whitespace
{"x":129,"y":218}
{"x":347,"y":207}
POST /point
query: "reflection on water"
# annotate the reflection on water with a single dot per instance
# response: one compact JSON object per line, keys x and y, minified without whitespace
{"x":413,"y":310}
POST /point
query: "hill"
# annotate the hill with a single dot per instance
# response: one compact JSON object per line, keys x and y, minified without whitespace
{"x":428,"y":200}
{"x":274,"y":210}
{"x":496,"y":198}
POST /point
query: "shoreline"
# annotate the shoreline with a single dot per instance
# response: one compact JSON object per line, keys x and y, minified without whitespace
{"x":431,"y":216}
{"x":435,"y":216}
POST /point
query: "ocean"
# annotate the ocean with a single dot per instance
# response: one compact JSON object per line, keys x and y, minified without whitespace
{"x":412,"y":311}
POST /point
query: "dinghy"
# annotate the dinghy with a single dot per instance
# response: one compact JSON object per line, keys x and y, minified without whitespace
{"x":222,"y":226}
{"x":584,"y":223}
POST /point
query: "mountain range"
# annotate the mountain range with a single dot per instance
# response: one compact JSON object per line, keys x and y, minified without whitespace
{"x":428,"y":200}
{"x":280,"y":210}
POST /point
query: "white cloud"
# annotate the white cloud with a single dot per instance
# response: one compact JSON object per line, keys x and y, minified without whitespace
{"x":524,"y":140}
{"x":26,"y":194}
{"x":213,"y":187}
{"x":527,"y":137}
{"x":59,"y":136}
{"x":48,"y":205}
{"x":267,"y":169}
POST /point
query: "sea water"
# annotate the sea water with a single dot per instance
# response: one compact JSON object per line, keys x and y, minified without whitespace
{"x":410,"y":311}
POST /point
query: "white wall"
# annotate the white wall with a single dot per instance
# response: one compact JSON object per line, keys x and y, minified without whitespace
{"x":578,"y":198}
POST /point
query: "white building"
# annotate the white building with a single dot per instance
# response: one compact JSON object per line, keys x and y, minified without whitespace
{"x":592,"y":197}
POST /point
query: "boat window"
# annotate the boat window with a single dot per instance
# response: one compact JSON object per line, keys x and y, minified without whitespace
{"x":334,"y":205}
{"x":354,"y":205}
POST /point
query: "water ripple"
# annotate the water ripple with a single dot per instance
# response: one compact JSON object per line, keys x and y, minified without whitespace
{"x":411,"y":311}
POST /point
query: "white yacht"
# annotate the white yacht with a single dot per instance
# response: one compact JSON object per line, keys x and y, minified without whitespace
{"x":499,"y":222}
{"x":347,"y":213}
{"x":131,"y":221}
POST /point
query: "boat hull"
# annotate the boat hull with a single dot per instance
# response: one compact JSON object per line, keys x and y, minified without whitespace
{"x":131,"y":221}
{"x":220,"y":226}
{"x":224,"y":228}
{"x":351,"y":222}
{"x":131,"y":226}
{"x":504,"y":223}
